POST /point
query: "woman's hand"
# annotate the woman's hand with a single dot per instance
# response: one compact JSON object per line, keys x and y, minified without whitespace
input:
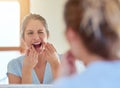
{"x":52,"y":57}
{"x":67,"y":66}
{"x":31,"y":58}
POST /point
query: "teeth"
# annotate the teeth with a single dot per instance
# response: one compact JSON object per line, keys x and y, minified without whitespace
{"x":36,"y":43}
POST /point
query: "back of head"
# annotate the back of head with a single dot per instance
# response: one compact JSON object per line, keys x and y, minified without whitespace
{"x":97,"y":22}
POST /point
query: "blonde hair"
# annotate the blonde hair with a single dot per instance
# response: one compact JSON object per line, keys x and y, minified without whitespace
{"x":28,"y":17}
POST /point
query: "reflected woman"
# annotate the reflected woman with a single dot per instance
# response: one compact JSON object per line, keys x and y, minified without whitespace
{"x":40,"y":63}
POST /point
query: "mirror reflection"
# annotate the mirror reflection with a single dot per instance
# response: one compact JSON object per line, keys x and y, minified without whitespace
{"x":11,"y":45}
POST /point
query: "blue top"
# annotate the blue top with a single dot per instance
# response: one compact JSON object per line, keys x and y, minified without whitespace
{"x":15,"y":67}
{"x":97,"y":75}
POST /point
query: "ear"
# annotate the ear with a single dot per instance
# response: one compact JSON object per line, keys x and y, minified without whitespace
{"x":23,"y":42}
{"x":71,"y":35}
{"x":48,"y":35}
{"x":22,"y":39}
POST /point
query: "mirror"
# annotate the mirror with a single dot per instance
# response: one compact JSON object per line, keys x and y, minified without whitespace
{"x":9,"y":37}
{"x":51,"y":10}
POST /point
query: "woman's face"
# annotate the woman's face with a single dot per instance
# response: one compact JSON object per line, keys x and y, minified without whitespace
{"x":35,"y":34}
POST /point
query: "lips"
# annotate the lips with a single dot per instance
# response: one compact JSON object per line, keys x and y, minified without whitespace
{"x":37,"y":45}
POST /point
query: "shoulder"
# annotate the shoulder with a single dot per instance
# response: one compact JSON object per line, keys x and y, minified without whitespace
{"x":17,"y":60}
{"x":67,"y":82}
{"x":96,"y":75}
{"x":83,"y":79}
{"x":15,"y":66}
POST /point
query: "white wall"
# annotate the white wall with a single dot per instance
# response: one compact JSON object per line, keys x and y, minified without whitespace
{"x":52,"y":11}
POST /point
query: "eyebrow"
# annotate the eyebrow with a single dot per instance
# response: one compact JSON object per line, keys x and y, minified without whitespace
{"x":29,"y":30}
{"x":40,"y":30}
{"x":32,"y":30}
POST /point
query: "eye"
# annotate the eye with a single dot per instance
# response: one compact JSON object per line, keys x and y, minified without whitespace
{"x":40,"y":32}
{"x":30,"y":33}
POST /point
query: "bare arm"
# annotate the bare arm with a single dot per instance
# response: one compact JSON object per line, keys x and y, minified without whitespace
{"x":26,"y":76}
{"x":52,"y":57}
{"x":13,"y":79}
{"x":55,"y":67}
{"x":29,"y":63}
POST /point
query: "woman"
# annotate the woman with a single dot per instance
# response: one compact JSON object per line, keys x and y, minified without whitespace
{"x":41,"y":61}
{"x":93,"y":32}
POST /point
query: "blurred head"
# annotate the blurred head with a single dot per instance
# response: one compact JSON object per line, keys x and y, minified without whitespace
{"x":94,"y":26}
{"x":34,"y":31}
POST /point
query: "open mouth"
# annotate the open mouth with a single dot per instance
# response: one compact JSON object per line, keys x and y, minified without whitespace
{"x":37,"y":46}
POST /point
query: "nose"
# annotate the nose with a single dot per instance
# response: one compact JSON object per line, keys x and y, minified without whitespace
{"x":36,"y":37}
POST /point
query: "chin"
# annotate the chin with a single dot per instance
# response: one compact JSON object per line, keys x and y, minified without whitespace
{"x":37,"y":50}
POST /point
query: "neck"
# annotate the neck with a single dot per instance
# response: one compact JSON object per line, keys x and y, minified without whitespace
{"x":89,"y":58}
